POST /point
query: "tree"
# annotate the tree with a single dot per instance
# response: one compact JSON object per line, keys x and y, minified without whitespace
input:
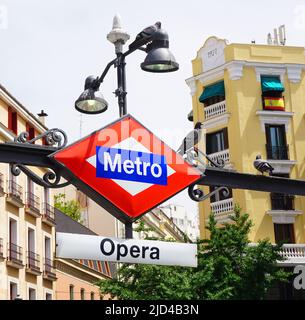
{"x":229,"y":267}
{"x":70,"y":207}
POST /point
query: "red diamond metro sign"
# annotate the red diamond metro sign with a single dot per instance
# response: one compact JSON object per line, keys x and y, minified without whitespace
{"x":128,"y":166}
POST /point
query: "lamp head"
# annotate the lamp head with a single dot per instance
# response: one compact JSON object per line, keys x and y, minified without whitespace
{"x":159,"y":58}
{"x":91,"y":101}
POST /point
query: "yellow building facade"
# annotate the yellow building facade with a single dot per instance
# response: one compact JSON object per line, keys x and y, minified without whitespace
{"x":27,"y":233}
{"x":250,"y":100}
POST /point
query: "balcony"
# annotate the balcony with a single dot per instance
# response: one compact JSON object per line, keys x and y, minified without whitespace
{"x":277,"y":152}
{"x":215,"y":110}
{"x":48,"y":216}
{"x":221,"y":156}
{"x":15,"y":194}
{"x":222,"y":209}
{"x":14,"y":256}
{"x":1,"y":249}
{"x":294,"y":253}
{"x":49,"y":271}
{"x":1,"y":185}
{"x":33,"y":263}
{"x":32,"y":205}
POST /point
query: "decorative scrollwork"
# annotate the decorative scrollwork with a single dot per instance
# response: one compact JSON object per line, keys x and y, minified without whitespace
{"x":15,"y":170}
{"x":194,"y":155}
{"x":52,"y":137}
{"x":198,"y":195}
{"x":22,"y":138}
{"x":46,"y":181}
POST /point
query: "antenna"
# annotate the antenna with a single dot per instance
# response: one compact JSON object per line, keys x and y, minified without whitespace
{"x":269,"y":39}
{"x":276,"y":38}
{"x":282,"y":35}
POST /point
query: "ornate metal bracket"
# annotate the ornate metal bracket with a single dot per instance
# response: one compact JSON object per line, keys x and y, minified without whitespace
{"x":197,"y":194}
{"x":50,"y":179}
{"x":52,"y":137}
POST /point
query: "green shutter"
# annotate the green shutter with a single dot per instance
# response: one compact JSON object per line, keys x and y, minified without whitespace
{"x":216,"y":89}
{"x":270,"y":83}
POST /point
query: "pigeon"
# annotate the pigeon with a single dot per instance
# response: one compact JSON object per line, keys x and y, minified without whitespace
{"x":262,"y":165}
{"x":145,"y":33}
{"x":191,"y":139}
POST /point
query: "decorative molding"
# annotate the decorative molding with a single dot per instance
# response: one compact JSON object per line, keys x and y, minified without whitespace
{"x":235,"y":69}
{"x":274,"y":117}
{"x":282,"y":166}
{"x":211,"y":75}
{"x":272,"y":70}
{"x":191,"y":82}
{"x":294,"y":72}
{"x":9,"y":136}
{"x":283,"y":216}
{"x":220,"y":120}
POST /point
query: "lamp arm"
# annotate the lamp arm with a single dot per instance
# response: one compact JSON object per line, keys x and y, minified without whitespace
{"x":111,"y":63}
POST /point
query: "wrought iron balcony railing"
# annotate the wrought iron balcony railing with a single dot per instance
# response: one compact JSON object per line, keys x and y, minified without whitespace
{"x":14,"y":253}
{"x":282,"y":202}
{"x":277,"y":152}
{"x":15,"y":190}
{"x":49,"y":270}
{"x":33,"y":261}
{"x":32,"y":202}
{"x":48,"y":214}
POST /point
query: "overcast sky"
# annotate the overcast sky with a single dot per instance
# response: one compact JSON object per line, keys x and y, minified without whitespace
{"x":47,"y":48}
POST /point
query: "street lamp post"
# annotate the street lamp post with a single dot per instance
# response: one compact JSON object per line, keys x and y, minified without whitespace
{"x":154,"y":41}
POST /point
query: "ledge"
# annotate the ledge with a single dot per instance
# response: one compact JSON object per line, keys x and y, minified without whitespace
{"x":216,"y":121}
{"x":283,"y":216}
{"x":282,"y":166}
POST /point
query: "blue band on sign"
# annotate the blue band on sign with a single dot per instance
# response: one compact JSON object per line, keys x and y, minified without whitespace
{"x":121,"y":164}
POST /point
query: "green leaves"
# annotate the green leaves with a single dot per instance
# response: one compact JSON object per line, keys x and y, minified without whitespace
{"x":71,"y":208}
{"x":229,"y":267}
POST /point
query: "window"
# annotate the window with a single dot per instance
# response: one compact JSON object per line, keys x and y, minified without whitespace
{"x":92,"y":296}
{"x":32,"y":294}
{"x":272,"y":93}
{"x":82,"y":294}
{"x":48,"y":296}
{"x":14,"y":253}
{"x":13,"y":290}
{"x":284,"y":233}
{"x":217,"y":141}
{"x":277,"y":148}
{"x":71,"y":291}
{"x":12,"y":120}
{"x":32,"y":262}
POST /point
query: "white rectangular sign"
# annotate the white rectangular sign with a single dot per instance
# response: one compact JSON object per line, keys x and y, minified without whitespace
{"x":80,"y":246}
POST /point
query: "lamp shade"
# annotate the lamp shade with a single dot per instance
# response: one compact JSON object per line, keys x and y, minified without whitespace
{"x":159,"y":58}
{"x":91,"y":101}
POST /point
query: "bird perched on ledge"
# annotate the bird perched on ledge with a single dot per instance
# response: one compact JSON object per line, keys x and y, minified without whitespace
{"x":145,"y":33}
{"x":262,"y":165}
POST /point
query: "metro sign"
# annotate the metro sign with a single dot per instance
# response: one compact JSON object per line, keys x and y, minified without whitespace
{"x":126,"y":169}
